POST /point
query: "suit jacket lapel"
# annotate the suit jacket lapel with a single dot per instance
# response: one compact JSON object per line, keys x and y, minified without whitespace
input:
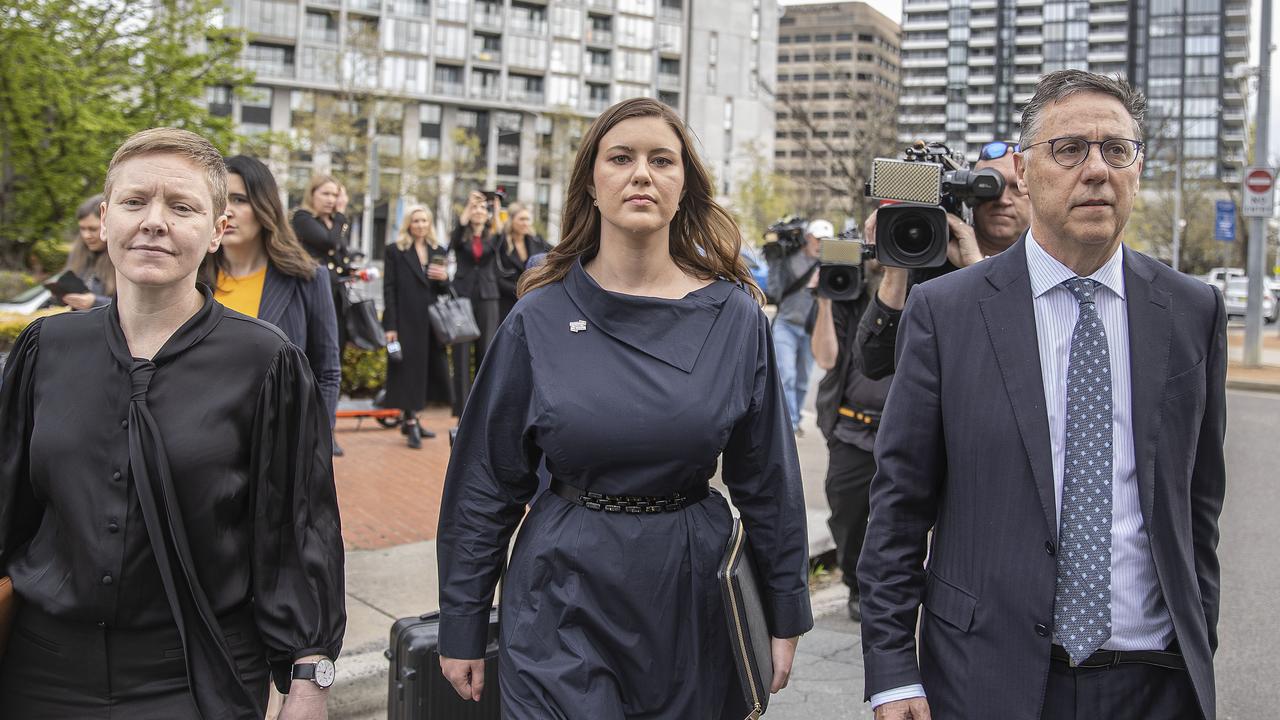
{"x":1011,"y":325}
{"x":1150,"y":332}
{"x":277,"y":291}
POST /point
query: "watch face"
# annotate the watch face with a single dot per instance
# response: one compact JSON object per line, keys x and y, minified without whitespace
{"x":324,"y":672}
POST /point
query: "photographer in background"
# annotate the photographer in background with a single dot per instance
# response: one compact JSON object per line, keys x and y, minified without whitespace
{"x":791,"y":266}
{"x":997,"y":225}
{"x":849,"y":406}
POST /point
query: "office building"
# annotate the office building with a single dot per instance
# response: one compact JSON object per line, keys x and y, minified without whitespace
{"x":970,"y":65}
{"x":446,"y":96}
{"x":837,"y":91}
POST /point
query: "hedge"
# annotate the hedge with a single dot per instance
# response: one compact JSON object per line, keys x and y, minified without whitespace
{"x":50,"y":254}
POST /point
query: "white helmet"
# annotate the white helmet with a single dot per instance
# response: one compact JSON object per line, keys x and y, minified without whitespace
{"x":820,"y":229}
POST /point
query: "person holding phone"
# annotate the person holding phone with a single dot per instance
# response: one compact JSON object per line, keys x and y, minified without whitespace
{"x":89,"y":260}
{"x":475,"y":249}
{"x":415,"y":276}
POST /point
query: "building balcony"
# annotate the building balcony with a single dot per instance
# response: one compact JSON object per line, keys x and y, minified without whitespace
{"x":329,"y":37}
{"x":486,"y":55}
{"x":668,"y":81}
{"x":486,"y":20}
{"x":1233,"y":137}
{"x":481,"y":91}
{"x":528,"y":97}
{"x":450,"y":88}
{"x":927,"y":100}
{"x":928,"y":6}
{"x":283,"y":71}
{"x":925,"y":26}
{"x":526,"y":26}
{"x":603,"y":73}
{"x":366,"y":6}
{"x":908,"y":63}
{"x":605,"y":5}
{"x":670,"y":14}
{"x":598,"y":37}
{"x":910,"y":45}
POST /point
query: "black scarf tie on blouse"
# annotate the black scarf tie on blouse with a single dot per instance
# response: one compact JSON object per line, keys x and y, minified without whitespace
{"x":211,"y":670}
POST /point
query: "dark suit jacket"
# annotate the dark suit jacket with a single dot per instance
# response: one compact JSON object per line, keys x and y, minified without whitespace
{"x":472,"y":279}
{"x":964,"y":451}
{"x":303,"y":310}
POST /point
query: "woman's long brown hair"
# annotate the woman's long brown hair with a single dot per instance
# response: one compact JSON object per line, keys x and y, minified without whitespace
{"x":705,"y":240}
{"x":84,"y":262}
{"x":284,"y":252}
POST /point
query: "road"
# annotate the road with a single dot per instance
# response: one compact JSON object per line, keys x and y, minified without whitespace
{"x":828,"y":681}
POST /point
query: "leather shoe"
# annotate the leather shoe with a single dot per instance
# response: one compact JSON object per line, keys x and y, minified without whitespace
{"x":854,"y":609}
{"x":426,"y":434}
{"x":415,"y":437}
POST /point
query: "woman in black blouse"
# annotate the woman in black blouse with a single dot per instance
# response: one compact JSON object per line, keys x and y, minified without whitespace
{"x":325,"y":232}
{"x":415,"y":276}
{"x":475,"y":248}
{"x":517,"y":243}
{"x":167,"y":508}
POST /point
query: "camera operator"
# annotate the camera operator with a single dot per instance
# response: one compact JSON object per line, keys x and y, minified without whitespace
{"x":997,"y":225}
{"x":789,"y":276}
{"x":849,"y":406}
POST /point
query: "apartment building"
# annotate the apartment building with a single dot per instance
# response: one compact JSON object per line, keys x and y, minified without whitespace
{"x":837,"y":89}
{"x":970,"y":65}
{"x":519,"y":80}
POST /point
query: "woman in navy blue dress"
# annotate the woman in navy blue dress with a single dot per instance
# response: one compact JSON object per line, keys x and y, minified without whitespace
{"x":636,"y":357}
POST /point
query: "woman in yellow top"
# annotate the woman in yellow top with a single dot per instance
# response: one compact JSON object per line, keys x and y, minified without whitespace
{"x":262,"y":270}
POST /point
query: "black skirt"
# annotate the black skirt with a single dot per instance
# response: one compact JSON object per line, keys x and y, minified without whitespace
{"x":58,"y":669}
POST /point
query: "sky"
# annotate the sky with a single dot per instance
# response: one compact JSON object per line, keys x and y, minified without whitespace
{"x":893,"y":9}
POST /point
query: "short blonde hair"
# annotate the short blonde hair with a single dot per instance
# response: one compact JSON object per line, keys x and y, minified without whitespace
{"x":315,"y":182}
{"x":183,"y":143}
{"x":404,"y":240}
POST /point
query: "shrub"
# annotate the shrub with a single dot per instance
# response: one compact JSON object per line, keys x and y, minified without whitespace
{"x":364,"y":372}
{"x":50,"y":254}
{"x":12,"y":283}
{"x":12,"y":325}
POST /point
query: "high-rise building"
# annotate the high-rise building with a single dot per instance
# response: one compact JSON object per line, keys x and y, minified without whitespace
{"x":970,"y":65}
{"x":837,"y":89}
{"x":446,"y":96}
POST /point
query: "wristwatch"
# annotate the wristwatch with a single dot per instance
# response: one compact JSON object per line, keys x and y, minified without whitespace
{"x":320,"y":672}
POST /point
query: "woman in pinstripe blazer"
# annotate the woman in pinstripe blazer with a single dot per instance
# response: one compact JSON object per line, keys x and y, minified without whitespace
{"x":263,"y":271}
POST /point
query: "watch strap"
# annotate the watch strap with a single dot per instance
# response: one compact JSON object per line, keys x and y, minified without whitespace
{"x":304,"y":671}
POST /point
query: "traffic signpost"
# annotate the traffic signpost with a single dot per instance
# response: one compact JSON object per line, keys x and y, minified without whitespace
{"x":1259,"y":192}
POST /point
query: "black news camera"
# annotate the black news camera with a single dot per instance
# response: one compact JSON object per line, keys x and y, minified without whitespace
{"x":928,"y":183}
{"x":841,"y":274}
{"x":783,"y":238}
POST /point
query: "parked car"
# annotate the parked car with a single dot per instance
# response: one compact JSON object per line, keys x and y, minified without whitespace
{"x":1237,"y":300}
{"x":756,"y":264}
{"x":28,"y":301}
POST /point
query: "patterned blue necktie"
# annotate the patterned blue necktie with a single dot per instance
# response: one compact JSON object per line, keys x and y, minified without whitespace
{"x":1082,"y":602}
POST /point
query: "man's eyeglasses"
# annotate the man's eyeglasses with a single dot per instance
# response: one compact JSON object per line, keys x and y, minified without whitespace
{"x":996,"y":150}
{"x":1071,"y":151}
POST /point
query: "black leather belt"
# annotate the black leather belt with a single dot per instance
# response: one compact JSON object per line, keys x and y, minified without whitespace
{"x":1171,"y":660}
{"x":630,"y":504}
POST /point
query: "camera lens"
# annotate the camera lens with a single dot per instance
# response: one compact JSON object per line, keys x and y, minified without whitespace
{"x":912,"y":235}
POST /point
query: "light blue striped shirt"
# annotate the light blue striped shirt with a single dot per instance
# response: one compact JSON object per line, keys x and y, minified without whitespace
{"x":1139,"y":618}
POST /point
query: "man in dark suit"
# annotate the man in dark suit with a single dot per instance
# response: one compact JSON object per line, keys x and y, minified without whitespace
{"x":1056,"y":421}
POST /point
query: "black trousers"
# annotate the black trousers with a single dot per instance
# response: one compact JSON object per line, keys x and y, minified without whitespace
{"x":849,"y":473}
{"x":1123,"y":692}
{"x":54,"y":669}
{"x":468,"y":356}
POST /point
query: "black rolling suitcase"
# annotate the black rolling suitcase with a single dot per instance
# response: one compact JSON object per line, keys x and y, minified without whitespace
{"x":416,"y":689}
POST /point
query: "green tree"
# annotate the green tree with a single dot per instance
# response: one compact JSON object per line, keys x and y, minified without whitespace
{"x":77,"y":77}
{"x":763,"y":197}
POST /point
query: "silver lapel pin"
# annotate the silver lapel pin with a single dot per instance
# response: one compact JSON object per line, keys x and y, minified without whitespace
{"x":577,"y":326}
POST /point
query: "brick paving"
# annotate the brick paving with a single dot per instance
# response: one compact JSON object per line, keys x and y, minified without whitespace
{"x":389,"y":494}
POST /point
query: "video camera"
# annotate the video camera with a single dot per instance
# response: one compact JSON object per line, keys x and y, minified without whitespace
{"x":928,"y":183}
{"x":841,"y":276}
{"x":783,"y":238}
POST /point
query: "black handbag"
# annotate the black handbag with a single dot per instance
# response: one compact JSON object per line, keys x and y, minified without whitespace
{"x":748,"y":627}
{"x":363,"y":328}
{"x":453,"y":321}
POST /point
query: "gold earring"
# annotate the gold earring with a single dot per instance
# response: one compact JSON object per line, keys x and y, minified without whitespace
{"x":596,"y":203}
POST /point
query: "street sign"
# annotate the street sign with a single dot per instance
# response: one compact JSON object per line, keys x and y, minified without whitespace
{"x":1259,"y":192}
{"x":1224,"y":228}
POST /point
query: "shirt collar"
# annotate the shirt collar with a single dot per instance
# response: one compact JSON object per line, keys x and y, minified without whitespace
{"x":672,"y":331}
{"x":1047,"y":272}
{"x":188,"y":335}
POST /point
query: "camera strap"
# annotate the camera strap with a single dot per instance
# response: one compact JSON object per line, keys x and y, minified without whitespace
{"x":799,"y":283}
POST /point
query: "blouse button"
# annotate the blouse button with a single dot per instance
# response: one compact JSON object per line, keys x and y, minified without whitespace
{"x":124,"y":423}
{"x":113,"y":527}
{"x":116,"y":476}
{"x":107,"y":580}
